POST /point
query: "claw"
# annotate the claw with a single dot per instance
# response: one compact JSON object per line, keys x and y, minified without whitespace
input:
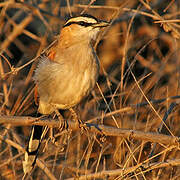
{"x":81,"y":124}
{"x":63,"y":122}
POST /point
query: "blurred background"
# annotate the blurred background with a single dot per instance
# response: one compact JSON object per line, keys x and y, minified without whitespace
{"x":140,"y":60}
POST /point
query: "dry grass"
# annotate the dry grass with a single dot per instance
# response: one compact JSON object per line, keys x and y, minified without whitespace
{"x":137,"y":91}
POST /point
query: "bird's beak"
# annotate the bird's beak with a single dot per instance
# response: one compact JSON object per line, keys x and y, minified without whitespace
{"x":100,"y":24}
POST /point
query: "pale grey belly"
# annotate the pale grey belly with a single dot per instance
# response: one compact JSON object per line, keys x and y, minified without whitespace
{"x":71,"y":90}
{"x":65,"y":89}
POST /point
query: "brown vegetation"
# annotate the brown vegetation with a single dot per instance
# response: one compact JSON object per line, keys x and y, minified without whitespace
{"x":135,"y":102}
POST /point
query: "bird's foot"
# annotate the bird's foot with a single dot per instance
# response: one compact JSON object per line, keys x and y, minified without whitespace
{"x":63,"y":125}
{"x":81,"y":124}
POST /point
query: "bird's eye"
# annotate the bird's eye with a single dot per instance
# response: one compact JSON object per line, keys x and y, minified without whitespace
{"x":85,"y":24}
{"x":82,"y":23}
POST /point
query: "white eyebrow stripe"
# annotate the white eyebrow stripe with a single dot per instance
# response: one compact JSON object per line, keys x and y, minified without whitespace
{"x":85,"y":19}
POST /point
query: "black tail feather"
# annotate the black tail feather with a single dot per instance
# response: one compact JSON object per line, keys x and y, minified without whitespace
{"x":32,"y":148}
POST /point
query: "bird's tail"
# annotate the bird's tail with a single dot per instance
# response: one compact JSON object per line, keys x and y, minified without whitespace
{"x":32,"y":148}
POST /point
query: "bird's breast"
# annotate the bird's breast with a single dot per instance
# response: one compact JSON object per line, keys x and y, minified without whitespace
{"x":66,"y":81}
{"x":75,"y":82}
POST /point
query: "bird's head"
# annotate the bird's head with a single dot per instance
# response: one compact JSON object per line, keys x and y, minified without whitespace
{"x":84,"y":26}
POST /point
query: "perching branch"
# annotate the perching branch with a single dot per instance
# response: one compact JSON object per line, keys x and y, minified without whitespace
{"x":106,"y":130}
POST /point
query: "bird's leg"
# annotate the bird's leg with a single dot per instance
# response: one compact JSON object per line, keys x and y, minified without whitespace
{"x":64,"y":123}
{"x":81,"y":124}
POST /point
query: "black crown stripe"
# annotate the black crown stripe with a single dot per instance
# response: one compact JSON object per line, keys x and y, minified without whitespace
{"x":81,"y":23}
{"x":88,"y":16}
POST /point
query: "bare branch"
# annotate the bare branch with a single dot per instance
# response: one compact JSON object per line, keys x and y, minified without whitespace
{"x":107,"y":130}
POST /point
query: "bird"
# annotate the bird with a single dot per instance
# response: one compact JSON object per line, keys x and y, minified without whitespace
{"x":66,"y":73}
